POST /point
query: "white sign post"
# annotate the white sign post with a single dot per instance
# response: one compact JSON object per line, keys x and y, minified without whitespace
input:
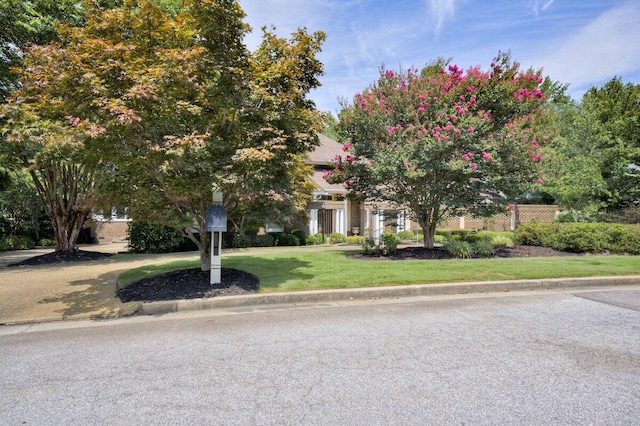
{"x":216,"y":223}
{"x":216,"y":258}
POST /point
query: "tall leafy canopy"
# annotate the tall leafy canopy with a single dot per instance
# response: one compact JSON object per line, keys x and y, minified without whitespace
{"x":168,"y":105}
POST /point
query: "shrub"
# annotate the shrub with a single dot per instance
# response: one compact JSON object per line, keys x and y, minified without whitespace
{"x":441,"y":239}
{"x":16,"y":242}
{"x":581,"y":237}
{"x":265,"y":240}
{"x":458,"y":248}
{"x":407,"y":236}
{"x":368,"y":244}
{"x":582,"y":216}
{"x":337,"y":238}
{"x":314,"y":239}
{"x":241,"y":241}
{"x":482,"y":248}
{"x":531,"y":234}
{"x":148,"y":238}
{"x":355,"y":239}
{"x":502,"y":241}
{"x":446,"y":233}
{"x":389,"y":242}
{"x":288,"y":240}
{"x":47,"y":242}
{"x":302,"y":236}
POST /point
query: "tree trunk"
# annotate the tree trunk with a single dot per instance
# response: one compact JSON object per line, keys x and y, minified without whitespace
{"x":429,"y":232}
{"x":65,"y":190}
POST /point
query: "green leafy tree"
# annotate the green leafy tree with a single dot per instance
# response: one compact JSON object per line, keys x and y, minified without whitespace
{"x":169,"y":106}
{"x":616,"y":108}
{"x":26,"y":22}
{"x":573,"y":170}
{"x":440,"y":140}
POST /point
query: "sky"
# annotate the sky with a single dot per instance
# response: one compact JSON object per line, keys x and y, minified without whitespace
{"x":583,"y":43}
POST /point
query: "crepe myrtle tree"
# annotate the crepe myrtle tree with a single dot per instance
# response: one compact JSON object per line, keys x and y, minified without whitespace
{"x":440,"y":139}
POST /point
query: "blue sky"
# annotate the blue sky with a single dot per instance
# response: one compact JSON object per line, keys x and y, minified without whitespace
{"x":583,"y":43}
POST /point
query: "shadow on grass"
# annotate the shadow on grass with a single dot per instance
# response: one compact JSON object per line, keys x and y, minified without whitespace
{"x":273,"y":273}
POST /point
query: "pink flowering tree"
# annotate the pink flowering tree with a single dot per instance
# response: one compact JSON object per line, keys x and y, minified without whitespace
{"x":439,"y":140}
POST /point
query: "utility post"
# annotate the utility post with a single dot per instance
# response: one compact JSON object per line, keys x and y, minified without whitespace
{"x":216,"y":223}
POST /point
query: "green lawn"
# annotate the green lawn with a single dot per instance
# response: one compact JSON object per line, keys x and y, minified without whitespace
{"x":293,"y":271}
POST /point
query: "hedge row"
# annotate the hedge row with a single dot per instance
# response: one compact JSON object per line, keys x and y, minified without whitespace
{"x":581,"y":237}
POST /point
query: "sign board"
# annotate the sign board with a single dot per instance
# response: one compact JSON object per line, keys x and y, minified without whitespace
{"x":216,"y":218}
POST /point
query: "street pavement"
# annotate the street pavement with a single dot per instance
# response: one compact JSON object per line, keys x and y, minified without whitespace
{"x":546,"y":357}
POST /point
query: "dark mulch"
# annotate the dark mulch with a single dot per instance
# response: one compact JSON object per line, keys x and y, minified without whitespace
{"x":407,"y":253}
{"x":63,"y":257}
{"x":189,"y":284}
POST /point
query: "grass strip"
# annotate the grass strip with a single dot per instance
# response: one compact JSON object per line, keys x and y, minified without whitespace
{"x":296,"y":271}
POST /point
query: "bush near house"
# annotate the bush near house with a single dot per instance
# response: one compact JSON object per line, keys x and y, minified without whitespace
{"x":337,"y":238}
{"x":302,"y":236}
{"x":16,"y":242}
{"x":287,"y":240}
{"x":314,"y":239}
{"x":147,"y":238}
{"x":241,"y":241}
{"x":264,"y":241}
{"x":581,"y":237}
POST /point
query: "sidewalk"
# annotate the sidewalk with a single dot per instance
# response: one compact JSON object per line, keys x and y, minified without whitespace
{"x":86,"y":290}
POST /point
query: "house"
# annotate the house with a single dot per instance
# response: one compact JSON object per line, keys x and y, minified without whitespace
{"x":333,"y":211}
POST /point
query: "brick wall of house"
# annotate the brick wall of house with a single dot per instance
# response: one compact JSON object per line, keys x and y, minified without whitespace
{"x":107,"y":232}
{"x":524,"y":213}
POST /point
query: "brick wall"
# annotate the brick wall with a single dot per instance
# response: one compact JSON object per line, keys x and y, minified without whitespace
{"x":107,"y":232}
{"x":524,"y":213}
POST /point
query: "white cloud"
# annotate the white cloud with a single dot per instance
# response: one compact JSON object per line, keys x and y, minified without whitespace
{"x":539,"y":6}
{"x":606,"y":47}
{"x":440,"y":11}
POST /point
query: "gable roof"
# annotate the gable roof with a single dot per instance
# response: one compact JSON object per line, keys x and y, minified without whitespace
{"x":321,"y":158}
{"x":325,"y":152}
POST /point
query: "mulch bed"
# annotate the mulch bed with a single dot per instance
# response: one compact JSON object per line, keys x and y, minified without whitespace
{"x":63,"y":257}
{"x":189,"y":284}
{"x":421,"y":253}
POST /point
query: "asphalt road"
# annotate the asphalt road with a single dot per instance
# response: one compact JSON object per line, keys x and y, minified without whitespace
{"x":552,"y":358}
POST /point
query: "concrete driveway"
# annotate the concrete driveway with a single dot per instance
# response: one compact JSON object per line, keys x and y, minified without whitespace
{"x":66,"y":291}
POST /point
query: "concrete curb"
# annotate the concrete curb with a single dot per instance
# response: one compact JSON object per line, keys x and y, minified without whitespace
{"x":158,"y":308}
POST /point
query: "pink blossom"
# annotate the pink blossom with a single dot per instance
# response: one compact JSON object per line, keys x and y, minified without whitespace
{"x":346,"y":147}
{"x":486,"y":155}
{"x":467,"y":156}
{"x":470,"y":130}
{"x":540,"y":181}
{"x":511,"y":207}
{"x":473,"y":166}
